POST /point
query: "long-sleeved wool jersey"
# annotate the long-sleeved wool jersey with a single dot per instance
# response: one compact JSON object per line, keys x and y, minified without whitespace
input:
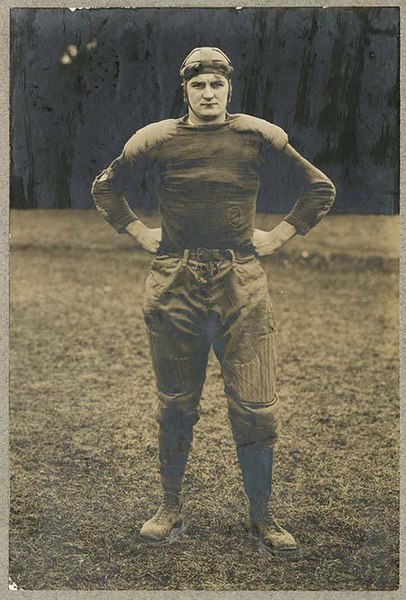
{"x":208,"y":181}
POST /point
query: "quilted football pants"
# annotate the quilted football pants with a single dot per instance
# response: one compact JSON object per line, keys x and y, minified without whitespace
{"x":190,"y":307}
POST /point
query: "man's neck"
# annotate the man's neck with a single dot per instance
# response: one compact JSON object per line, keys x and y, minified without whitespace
{"x":194,"y":120}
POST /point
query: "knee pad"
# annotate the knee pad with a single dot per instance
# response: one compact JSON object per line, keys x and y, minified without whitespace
{"x":253,"y":423}
{"x":173,"y":410}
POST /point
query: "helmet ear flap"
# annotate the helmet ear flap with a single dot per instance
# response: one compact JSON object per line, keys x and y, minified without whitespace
{"x":184,"y":85}
{"x":230,"y":91}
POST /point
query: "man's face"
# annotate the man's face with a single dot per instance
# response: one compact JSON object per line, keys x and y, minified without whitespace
{"x":207,"y":95}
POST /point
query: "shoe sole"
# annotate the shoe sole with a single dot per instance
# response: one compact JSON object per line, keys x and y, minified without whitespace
{"x":288,"y":553}
{"x":173,"y":536}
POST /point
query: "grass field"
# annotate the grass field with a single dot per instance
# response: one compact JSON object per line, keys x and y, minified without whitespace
{"x":83,"y":448}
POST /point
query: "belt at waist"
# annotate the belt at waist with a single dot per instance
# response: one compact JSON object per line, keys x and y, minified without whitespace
{"x":207,"y":254}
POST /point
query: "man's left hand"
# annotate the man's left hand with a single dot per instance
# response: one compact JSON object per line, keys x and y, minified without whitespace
{"x":268,"y":242}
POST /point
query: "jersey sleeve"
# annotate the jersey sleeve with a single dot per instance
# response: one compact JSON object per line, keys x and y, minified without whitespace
{"x":109,"y":187}
{"x":316,"y":191}
{"x":316,"y":196}
{"x":108,"y":192}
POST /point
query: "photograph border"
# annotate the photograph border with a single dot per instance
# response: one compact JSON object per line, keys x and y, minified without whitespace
{"x":5,"y":591}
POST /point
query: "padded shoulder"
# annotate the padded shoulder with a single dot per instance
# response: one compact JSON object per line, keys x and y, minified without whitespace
{"x":149,"y":136}
{"x":274,"y":135}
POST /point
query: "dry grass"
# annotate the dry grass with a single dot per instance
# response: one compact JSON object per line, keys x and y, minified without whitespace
{"x":83,"y":439}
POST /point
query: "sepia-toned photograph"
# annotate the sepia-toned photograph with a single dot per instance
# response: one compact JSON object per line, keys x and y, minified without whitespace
{"x":204,"y":299}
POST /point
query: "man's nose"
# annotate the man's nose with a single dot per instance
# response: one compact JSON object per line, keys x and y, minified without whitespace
{"x":208,"y":92}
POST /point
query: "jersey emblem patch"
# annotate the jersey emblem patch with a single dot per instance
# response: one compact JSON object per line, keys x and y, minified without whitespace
{"x":234,"y":215}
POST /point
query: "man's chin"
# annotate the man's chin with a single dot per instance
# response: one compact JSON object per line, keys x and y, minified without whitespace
{"x":207,"y":116}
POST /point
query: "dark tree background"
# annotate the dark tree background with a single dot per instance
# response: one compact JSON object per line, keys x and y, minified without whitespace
{"x":83,"y":81}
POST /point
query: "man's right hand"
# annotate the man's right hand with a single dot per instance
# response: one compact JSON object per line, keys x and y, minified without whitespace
{"x":147,"y":238}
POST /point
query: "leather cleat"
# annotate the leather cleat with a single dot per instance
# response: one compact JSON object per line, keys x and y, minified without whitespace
{"x":165,"y":527}
{"x":273,"y":538}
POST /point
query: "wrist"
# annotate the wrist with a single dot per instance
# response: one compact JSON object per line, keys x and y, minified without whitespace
{"x":287,"y":229}
{"x":275,"y":240}
{"x":135,"y":228}
{"x":283,"y":232}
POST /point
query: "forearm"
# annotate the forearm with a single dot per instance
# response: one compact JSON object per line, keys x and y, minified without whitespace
{"x":317,"y":195}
